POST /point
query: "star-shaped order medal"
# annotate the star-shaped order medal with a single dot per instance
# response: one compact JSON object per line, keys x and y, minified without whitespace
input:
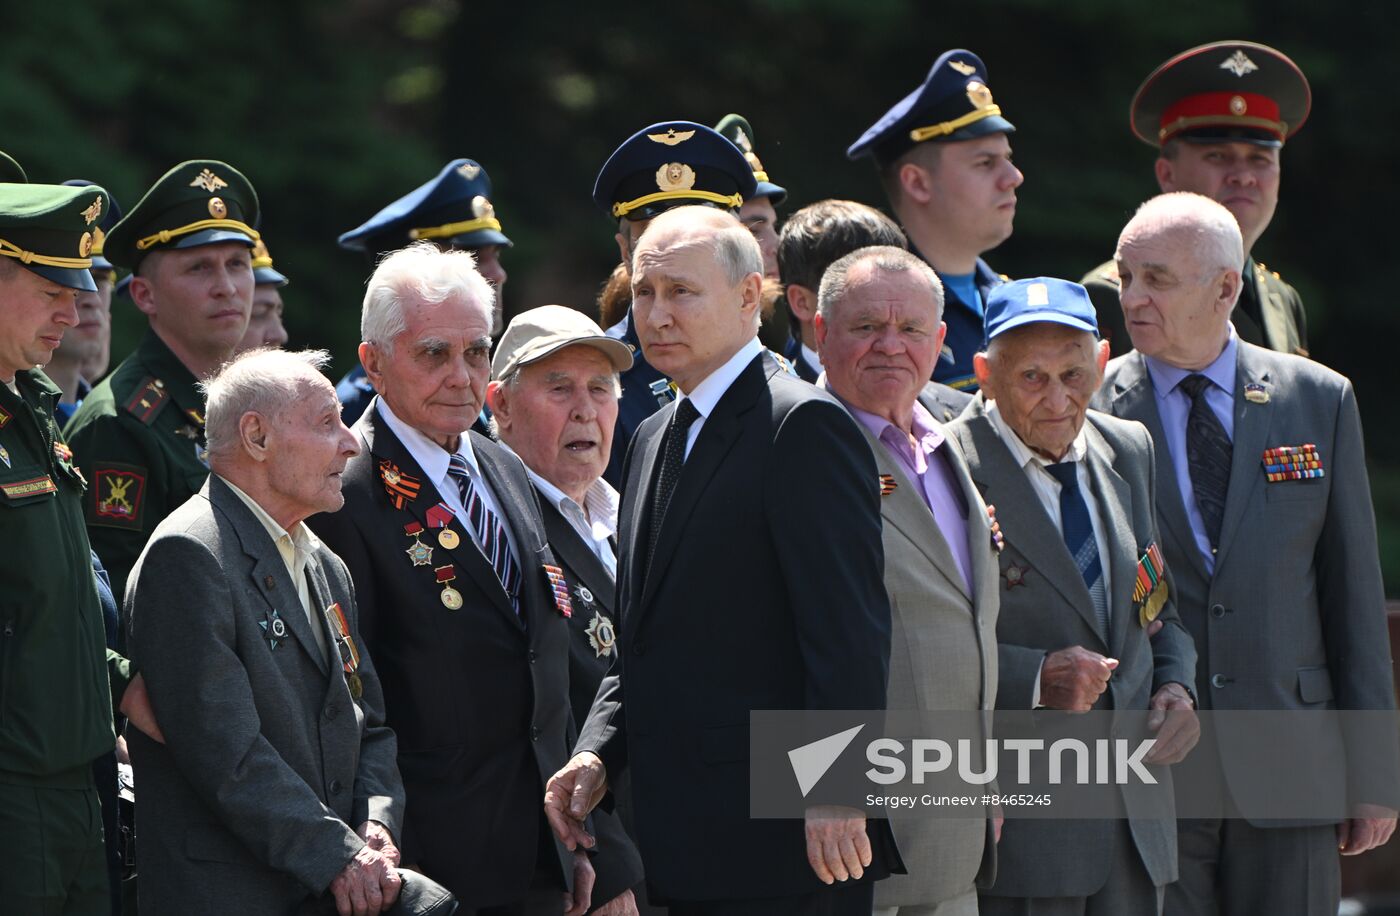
{"x":275,"y":628}
{"x":421,"y":554}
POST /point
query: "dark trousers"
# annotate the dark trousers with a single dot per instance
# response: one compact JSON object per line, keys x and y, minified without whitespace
{"x":1129,"y":890}
{"x":55,"y":862}
{"x":1229,"y":866}
{"x":837,"y":900}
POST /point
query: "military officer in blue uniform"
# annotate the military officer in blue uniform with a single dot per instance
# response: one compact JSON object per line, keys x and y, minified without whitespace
{"x":944,"y":157}
{"x":1219,"y":114}
{"x":453,"y":210}
{"x":669,"y":164}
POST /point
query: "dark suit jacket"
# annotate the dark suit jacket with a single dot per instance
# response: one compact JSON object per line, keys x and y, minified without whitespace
{"x":1294,"y":616}
{"x":269,"y":765}
{"x":592,"y":648}
{"x":479,"y":697}
{"x":1048,"y":609}
{"x":736,"y":614}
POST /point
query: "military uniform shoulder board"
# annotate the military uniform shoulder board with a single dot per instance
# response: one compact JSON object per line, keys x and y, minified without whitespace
{"x":149,"y":400}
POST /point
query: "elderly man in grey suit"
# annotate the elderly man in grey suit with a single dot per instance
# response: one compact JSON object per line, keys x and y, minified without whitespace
{"x":1073,"y":491}
{"x":879,"y":326}
{"x":276,"y":782}
{"x":1267,"y":524}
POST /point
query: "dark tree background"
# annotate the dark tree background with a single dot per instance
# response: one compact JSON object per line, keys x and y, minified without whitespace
{"x":335,"y":107}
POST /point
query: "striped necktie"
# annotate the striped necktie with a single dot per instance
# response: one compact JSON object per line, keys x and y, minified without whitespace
{"x":490,"y":534}
{"x":1079,"y":538}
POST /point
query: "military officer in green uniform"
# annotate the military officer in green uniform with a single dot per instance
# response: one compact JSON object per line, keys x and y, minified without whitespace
{"x":57,"y":677}
{"x":139,"y":436}
{"x":1219,"y":114}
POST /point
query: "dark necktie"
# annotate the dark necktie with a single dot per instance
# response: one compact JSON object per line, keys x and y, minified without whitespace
{"x":672,"y":460}
{"x":1078,"y":532}
{"x":1208,"y":453}
{"x":489,"y":531}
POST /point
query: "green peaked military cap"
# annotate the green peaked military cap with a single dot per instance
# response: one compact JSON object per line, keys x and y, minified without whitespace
{"x":198,"y":202}
{"x":10,"y":170}
{"x":51,"y":229}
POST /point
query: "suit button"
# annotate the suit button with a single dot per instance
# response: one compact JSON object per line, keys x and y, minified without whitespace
{"x":1219,"y":680}
{"x":1217,"y":610}
{"x":335,"y":786}
{"x":534,"y":733}
{"x":532,"y":655}
{"x":332,"y":711}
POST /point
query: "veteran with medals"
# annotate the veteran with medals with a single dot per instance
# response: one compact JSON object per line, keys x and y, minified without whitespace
{"x":275,"y":782}
{"x":1269,"y":531}
{"x":139,"y":435}
{"x":457,"y":592}
{"x":1073,"y":490}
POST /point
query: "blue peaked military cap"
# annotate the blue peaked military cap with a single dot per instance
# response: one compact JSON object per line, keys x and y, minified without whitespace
{"x":454,"y":209}
{"x":1021,"y":302}
{"x":671,"y":164}
{"x":110,"y":217}
{"x":737,"y":130}
{"x":953,"y":103}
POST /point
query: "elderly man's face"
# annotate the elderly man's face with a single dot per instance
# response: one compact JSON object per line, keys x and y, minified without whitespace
{"x":1242,"y":176}
{"x":265,"y":328}
{"x":308,"y":447}
{"x":198,"y":297}
{"x":559,"y":416}
{"x":34,"y":314}
{"x":1042,"y":376}
{"x":879,"y":344}
{"x":689,"y":317}
{"x":1175,"y":310}
{"x":434,"y":376}
{"x":759,"y":217}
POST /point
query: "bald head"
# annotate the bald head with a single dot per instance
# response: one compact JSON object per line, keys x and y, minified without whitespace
{"x":1205,"y":228}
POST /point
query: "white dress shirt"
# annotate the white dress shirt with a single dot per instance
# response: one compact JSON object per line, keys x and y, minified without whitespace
{"x":707,"y":394}
{"x":595,"y":521}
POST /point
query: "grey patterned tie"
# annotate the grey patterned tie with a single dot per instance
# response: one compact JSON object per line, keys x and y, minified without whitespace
{"x":672,"y":460}
{"x":1208,"y":453}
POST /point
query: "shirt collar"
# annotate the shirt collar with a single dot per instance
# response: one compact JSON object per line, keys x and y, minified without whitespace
{"x":925,"y":428}
{"x":303,"y":541}
{"x":707,"y":394}
{"x":431,"y":457}
{"x":1022,"y":452}
{"x":1221,"y":371}
{"x":813,"y":358}
{"x":600,"y":501}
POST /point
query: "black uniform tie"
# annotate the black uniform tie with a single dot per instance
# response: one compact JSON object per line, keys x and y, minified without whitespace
{"x":672,"y":460}
{"x":1208,"y":453}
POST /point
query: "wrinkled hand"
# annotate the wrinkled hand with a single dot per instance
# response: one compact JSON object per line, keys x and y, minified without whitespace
{"x":378,"y":838}
{"x":1368,"y":827}
{"x":136,"y":706}
{"x":837,"y":845}
{"x":368,"y":885}
{"x":576,"y":904}
{"x":123,"y":755}
{"x":624,"y":904}
{"x":1173,"y":718}
{"x":1073,"y":679}
{"x":571,"y":794}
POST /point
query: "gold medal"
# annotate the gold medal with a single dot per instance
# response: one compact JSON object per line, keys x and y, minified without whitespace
{"x":357,"y":688}
{"x":451,"y":598}
{"x":448,"y":539}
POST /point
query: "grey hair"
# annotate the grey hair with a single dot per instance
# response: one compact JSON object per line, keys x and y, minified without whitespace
{"x":420,"y":273}
{"x":1217,"y":242}
{"x":264,"y":380}
{"x":836,"y":282}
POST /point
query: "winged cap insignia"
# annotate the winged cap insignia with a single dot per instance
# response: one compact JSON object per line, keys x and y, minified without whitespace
{"x":1239,"y":64}
{"x":671,"y":137}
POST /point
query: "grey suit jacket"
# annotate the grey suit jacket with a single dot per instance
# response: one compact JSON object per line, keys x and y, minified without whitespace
{"x":269,"y":764}
{"x":1294,"y":616}
{"x":1048,"y":608}
{"x":943,"y":656}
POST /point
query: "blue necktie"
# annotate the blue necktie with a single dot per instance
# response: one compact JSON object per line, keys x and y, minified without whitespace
{"x":490,"y":535}
{"x":1208,"y":456}
{"x":1079,"y":537}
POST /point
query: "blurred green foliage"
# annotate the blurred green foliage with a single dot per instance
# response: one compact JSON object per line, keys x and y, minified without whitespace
{"x":335,"y":108}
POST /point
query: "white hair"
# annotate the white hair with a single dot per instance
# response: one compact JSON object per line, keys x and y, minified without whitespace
{"x":421,"y":273}
{"x":1216,"y":241}
{"x":836,"y":281}
{"x":264,"y":380}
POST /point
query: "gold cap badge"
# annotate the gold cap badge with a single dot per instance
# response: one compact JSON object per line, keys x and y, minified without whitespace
{"x":208,"y":181}
{"x":217,"y":208}
{"x":85,"y":245}
{"x":671,"y":137}
{"x":979,"y":95}
{"x":469,"y":170}
{"x":482,"y":209}
{"x":964,"y":69}
{"x":1238,"y":105}
{"x":675,"y":176}
{"x":93,"y":211}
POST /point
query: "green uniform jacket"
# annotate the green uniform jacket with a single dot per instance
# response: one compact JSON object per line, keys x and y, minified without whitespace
{"x":1269,"y":314}
{"x":139,"y":440}
{"x":57,"y":676}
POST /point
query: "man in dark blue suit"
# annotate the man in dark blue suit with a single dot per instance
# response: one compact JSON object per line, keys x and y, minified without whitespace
{"x":720,"y":619}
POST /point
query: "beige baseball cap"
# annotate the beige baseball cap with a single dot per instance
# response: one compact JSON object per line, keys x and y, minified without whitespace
{"x":533,"y":335}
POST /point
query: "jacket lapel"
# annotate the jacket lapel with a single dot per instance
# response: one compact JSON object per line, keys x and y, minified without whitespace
{"x":1114,"y":498}
{"x":636,"y":503}
{"x":268,"y":572}
{"x":575,"y":554}
{"x":979,"y":533}
{"x":1251,"y":433}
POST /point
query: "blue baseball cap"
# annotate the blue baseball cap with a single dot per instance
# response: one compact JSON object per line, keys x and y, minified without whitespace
{"x":952,"y":103}
{"x":453,"y":208}
{"x":1036,"y":299}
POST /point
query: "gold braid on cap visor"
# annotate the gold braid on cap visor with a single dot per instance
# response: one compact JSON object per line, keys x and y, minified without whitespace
{"x":733,"y":201}
{"x":451,"y":229}
{"x":164,"y":236}
{"x":11,"y":250}
{"x":920,"y":134}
